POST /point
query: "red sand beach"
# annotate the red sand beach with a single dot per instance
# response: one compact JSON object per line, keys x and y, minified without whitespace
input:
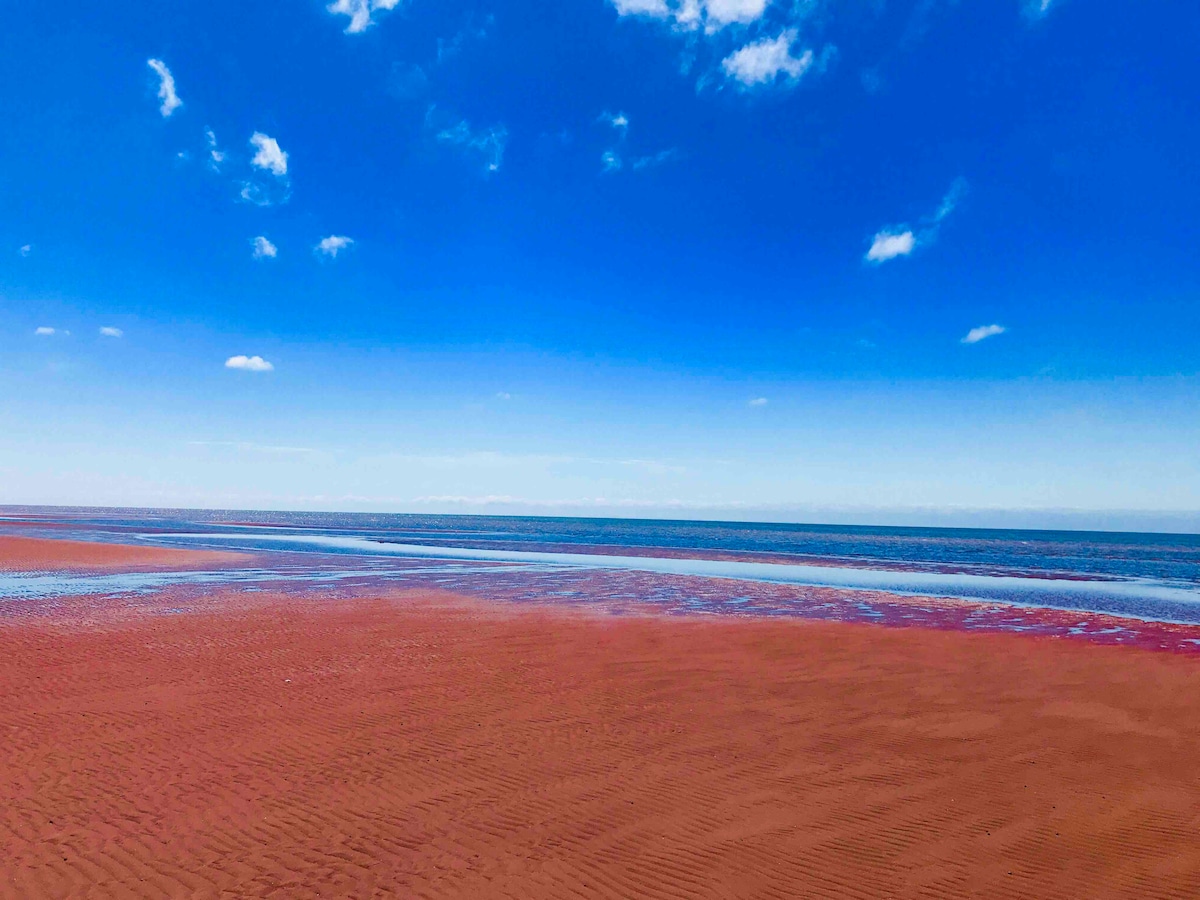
{"x":430,"y":746}
{"x":36,"y":554}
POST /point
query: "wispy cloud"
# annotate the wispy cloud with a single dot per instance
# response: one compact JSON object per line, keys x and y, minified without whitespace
{"x":45,"y":331}
{"x":254,"y":448}
{"x":656,"y":9}
{"x":890,"y":244}
{"x":215,"y":156}
{"x":262,"y":248}
{"x":758,"y":401}
{"x":110,"y":331}
{"x":503,"y":395}
{"x":475,"y":29}
{"x":654,"y":159}
{"x":485,"y":143}
{"x":333,"y":245}
{"x":901,"y":240}
{"x":166,"y":87}
{"x":360,"y":12}
{"x":1037,"y":9}
{"x":975,"y":335}
{"x":762,"y":62}
{"x":25,"y":249}
{"x":248,"y":364}
{"x":610,"y":161}
{"x":269,"y":156}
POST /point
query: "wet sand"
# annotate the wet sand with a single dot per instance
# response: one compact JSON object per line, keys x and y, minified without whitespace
{"x":39,"y":554}
{"x":429,"y":746}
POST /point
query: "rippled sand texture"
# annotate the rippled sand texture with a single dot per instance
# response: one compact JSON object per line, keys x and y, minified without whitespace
{"x":22,"y":554}
{"x":426,"y":747}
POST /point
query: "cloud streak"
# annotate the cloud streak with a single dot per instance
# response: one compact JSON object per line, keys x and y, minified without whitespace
{"x":975,"y":335}
{"x":901,"y":240}
{"x":166,"y":88}
{"x":249,"y":364}
{"x":485,"y":143}
{"x":110,"y":331}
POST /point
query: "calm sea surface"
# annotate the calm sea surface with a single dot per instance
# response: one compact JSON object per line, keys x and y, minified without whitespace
{"x":737,"y":568}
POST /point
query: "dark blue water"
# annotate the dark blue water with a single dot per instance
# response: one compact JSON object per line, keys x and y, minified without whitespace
{"x":1168,"y":558}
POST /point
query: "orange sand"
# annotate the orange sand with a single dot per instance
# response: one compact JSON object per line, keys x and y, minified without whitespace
{"x":436,"y":748}
{"x":429,"y":746}
{"x":37,"y":554}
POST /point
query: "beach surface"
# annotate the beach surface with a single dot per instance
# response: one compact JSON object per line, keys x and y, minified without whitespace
{"x":427,"y":745}
{"x":25,"y":554}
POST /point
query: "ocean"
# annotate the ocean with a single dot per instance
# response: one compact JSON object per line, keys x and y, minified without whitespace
{"x":1069,"y":583}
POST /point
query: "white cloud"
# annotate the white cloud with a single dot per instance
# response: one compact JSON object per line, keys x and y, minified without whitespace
{"x":975,"y":335}
{"x":26,"y":249}
{"x":762,"y":62}
{"x":890,"y":244}
{"x":901,"y":240}
{"x":729,"y":12}
{"x":215,"y":156}
{"x":489,"y":143}
{"x":263,"y":249}
{"x":758,"y":401}
{"x":269,"y":156}
{"x":657,"y":9}
{"x":503,"y":395}
{"x":45,"y":331}
{"x":333,"y":245}
{"x":618,"y":121}
{"x":166,"y":87}
{"x":609,"y":161}
{"x":110,"y":331}
{"x":248,"y":364}
{"x":360,"y":11}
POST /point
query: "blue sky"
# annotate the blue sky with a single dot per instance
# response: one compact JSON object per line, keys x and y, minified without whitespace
{"x":871,"y":259}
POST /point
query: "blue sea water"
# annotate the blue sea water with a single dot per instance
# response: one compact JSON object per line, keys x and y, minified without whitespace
{"x":1147,"y":576}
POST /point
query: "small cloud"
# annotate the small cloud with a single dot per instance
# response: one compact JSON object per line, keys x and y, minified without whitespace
{"x":729,"y":12}
{"x":656,"y":9}
{"x":110,"y":331}
{"x":45,"y":331}
{"x":262,"y":248}
{"x":503,"y":395}
{"x":166,"y":87}
{"x":654,"y":159}
{"x":617,"y":121}
{"x":248,"y":364}
{"x":890,"y":244}
{"x":269,"y":157}
{"x":488,"y":143}
{"x":215,"y":156}
{"x":975,"y":335}
{"x":360,"y":12}
{"x":758,"y":401}
{"x":762,"y":62}
{"x":333,"y":245}
{"x":610,"y":161}
{"x":26,"y":249}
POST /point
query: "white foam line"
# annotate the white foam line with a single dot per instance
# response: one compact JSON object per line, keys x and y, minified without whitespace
{"x":943,"y":584}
